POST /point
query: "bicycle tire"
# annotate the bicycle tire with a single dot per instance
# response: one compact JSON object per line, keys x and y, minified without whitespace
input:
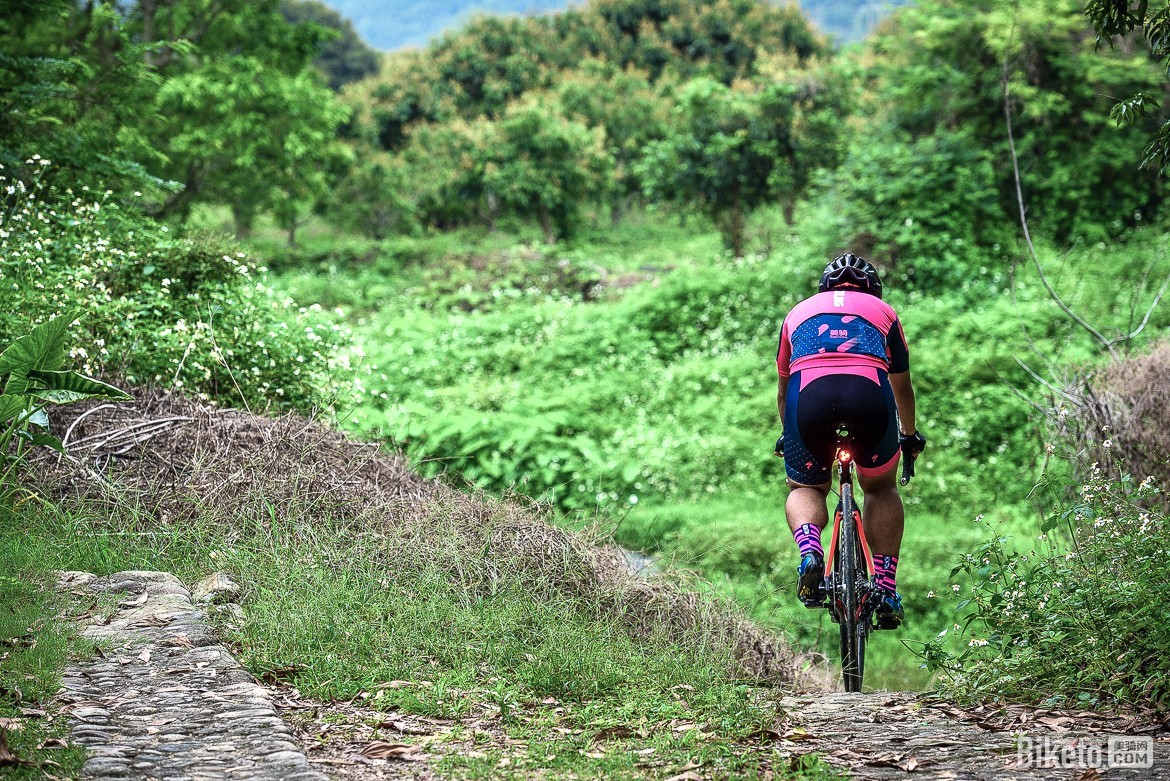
{"x":850,"y":574}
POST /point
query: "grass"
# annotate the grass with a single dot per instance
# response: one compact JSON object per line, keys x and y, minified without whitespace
{"x":489,"y":615}
{"x":35,"y":645}
{"x":344,"y":632}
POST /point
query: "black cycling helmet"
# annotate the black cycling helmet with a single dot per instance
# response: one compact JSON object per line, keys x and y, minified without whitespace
{"x":851,"y":270}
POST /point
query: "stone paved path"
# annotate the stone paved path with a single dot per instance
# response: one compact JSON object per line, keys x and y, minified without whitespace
{"x":161,"y":699}
{"x":883,"y":735}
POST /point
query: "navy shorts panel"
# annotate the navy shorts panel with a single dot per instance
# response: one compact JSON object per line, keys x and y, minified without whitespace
{"x":810,"y":413}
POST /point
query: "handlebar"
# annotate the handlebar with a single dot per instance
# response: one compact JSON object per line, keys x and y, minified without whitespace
{"x":907,"y":467}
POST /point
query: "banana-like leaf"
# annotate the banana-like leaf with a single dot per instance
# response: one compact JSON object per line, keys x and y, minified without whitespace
{"x":58,"y":396}
{"x":40,"y":438}
{"x":41,"y":348}
{"x":48,"y":440}
{"x":11,"y":407}
{"x":16,"y":384}
{"x":64,"y":387}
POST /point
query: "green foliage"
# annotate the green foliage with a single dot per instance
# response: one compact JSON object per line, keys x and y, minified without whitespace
{"x":72,"y":86}
{"x":1079,"y":618}
{"x":1113,"y":19}
{"x":181,"y":99}
{"x":934,"y":116}
{"x":187,"y":312}
{"x":402,"y":23}
{"x":730,"y":150}
{"x":540,"y":162}
{"x":31,"y":370}
{"x":608,"y":66}
{"x":925,"y":206}
{"x":220,"y":124}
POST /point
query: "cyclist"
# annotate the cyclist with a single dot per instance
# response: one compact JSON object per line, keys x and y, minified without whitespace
{"x":843,"y":357}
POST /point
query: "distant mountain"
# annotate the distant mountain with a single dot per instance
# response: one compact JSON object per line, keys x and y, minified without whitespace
{"x":394,"y":24}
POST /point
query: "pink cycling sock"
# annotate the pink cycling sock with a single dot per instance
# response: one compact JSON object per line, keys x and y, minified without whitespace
{"x":808,"y":539}
{"x":885,"y":572}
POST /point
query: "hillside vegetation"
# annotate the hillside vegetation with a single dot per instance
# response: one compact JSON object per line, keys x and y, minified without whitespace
{"x":546,"y":259}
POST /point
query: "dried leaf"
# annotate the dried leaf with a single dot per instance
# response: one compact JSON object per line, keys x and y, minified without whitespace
{"x":138,"y":600}
{"x":144,"y":657}
{"x":6,"y":755}
{"x":618,"y":731}
{"x":380,"y":749}
{"x":401,"y":726}
{"x":1089,"y":775}
{"x":402,"y":684}
{"x":689,"y":775}
{"x":799,"y":734}
{"x":1059,"y":724}
{"x":11,"y":725}
{"x":765,"y":734}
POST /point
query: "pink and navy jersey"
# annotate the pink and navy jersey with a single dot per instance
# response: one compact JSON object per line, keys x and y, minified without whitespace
{"x":842,"y":331}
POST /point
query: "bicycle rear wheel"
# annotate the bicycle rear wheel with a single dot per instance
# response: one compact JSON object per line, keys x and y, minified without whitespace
{"x":851,"y":574}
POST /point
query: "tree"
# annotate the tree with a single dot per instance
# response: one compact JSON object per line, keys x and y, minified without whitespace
{"x":537,"y":162}
{"x":928,"y":178}
{"x":239,"y":116}
{"x":185,"y":98}
{"x":251,"y":138}
{"x":806,"y":105}
{"x":1113,"y":19}
{"x":627,"y":107}
{"x":74,"y":89}
{"x":729,"y":150}
{"x":343,"y":57}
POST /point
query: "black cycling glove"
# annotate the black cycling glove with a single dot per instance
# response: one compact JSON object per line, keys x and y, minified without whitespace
{"x":912,"y":444}
{"x":779,"y":451}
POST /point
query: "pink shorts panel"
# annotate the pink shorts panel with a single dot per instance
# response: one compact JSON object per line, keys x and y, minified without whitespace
{"x":816,"y":372}
{"x":881,"y":469}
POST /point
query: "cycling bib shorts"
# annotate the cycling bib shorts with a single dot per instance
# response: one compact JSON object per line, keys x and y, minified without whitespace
{"x":814,"y":406}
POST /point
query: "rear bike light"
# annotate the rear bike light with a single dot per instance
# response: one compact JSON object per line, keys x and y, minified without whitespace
{"x":845,"y":456}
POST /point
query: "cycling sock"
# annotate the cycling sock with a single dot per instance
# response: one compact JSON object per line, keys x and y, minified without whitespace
{"x":885,"y":572}
{"x":808,"y":538}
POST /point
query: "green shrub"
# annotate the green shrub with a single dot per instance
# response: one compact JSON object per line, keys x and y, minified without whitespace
{"x":33,"y":377}
{"x":192,"y":313}
{"x":1079,"y":618}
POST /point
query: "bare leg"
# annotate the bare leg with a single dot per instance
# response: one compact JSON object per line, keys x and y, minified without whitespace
{"x":884,"y":516}
{"x":806,"y":504}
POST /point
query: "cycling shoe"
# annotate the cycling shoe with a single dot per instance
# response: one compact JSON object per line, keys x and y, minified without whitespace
{"x":812,"y":576}
{"x":890,"y":614}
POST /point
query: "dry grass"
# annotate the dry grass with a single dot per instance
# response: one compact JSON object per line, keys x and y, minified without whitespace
{"x":176,"y":461}
{"x":1126,"y":404}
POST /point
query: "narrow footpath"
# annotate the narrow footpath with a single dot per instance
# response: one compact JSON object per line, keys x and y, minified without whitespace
{"x":161,"y":700}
